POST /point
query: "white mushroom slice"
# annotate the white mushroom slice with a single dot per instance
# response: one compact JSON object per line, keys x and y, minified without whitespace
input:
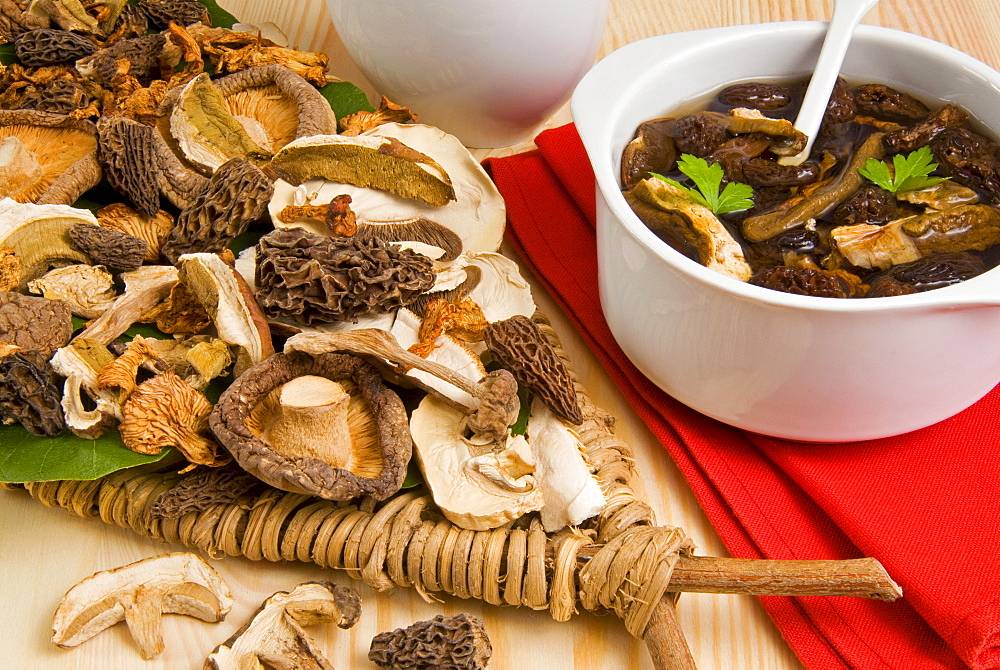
{"x":466,"y":496}
{"x":477,"y":215}
{"x":225,"y":296}
{"x":501,"y":292}
{"x":37,"y":235}
{"x":870,"y":246}
{"x":138,"y":593}
{"x":448,"y":352}
{"x":572,"y":494}
{"x":89,"y":290}
{"x":80,"y":362}
{"x":144,"y":287}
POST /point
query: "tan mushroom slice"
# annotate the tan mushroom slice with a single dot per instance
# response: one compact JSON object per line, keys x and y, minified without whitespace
{"x":228,"y":300}
{"x":89,"y":290}
{"x":870,"y":246}
{"x":197,"y":359}
{"x":717,"y":249}
{"x":275,"y":636}
{"x":944,"y":195}
{"x":501,"y":291}
{"x":144,"y":288}
{"x":322,"y":425}
{"x":466,"y":494}
{"x":477,"y":215}
{"x":572,"y":493}
{"x":80,"y":362}
{"x":46,"y":158}
{"x":37,"y":235}
{"x":138,"y":593}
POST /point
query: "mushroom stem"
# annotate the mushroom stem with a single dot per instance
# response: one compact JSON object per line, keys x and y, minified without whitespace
{"x":311,"y":421}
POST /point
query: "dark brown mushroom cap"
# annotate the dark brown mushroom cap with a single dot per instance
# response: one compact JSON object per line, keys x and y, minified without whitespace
{"x":307,"y":475}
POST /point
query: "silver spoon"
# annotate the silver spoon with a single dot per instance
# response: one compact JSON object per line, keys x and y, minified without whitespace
{"x":846,"y":16}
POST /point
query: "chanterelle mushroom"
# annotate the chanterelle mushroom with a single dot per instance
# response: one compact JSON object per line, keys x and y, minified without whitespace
{"x":138,"y":593}
{"x":275,"y":636}
{"x":310,"y":438}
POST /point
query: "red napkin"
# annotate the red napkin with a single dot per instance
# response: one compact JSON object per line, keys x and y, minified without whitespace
{"x":926,"y":504}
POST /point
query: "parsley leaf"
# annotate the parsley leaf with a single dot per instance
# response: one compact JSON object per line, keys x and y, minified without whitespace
{"x":734,"y":197}
{"x":907,"y":173}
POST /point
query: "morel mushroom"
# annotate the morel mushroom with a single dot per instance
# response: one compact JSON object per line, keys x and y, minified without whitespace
{"x":45,"y":46}
{"x":37,"y":235}
{"x":111,"y":248}
{"x":153,"y":229}
{"x":28,"y":393}
{"x":127,"y":154}
{"x":138,"y":593}
{"x":46,"y":158}
{"x":447,"y":643}
{"x":288,"y":422}
{"x":275,"y":635}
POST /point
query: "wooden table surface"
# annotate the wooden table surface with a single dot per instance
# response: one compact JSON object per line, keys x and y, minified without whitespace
{"x":45,"y":551}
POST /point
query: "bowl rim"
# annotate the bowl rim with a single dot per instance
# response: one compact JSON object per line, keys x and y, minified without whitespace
{"x":596,"y":132}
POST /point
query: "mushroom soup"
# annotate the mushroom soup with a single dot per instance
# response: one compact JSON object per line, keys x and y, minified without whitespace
{"x":896,"y":196}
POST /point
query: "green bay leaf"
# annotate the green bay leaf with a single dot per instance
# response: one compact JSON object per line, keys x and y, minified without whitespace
{"x":7,"y":56}
{"x":220,"y":17}
{"x":29,"y":458}
{"x":345,"y":98}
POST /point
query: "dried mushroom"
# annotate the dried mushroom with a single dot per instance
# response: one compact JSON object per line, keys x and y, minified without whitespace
{"x":306,"y":436}
{"x":523,"y":349}
{"x":80,"y":362}
{"x":34,"y":323}
{"x":572,"y":493}
{"x":476,"y":216}
{"x":113,"y":249}
{"x":229,"y":302}
{"x":37,"y":235}
{"x":88,"y":290}
{"x":197,"y":359}
{"x":14,"y":20}
{"x":138,"y":594}
{"x":310,"y":278}
{"x":144,"y":288}
{"x":153,"y":229}
{"x":28,"y":393}
{"x":235,"y":196}
{"x":46,"y":158}
{"x":165,"y":412}
{"x":46,"y":46}
{"x":67,"y":14}
{"x":127,"y":154}
{"x":202,"y":489}
{"x":180,"y":312}
{"x":363,"y":120}
{"x":499,"y":290}
{"x":713,"y":245}
{"x":449,"y":643}
{"x":10,"y":269}
{"x":183,"y":12}
{"x":232,"y":51}
{"x":476,"y":498}
{"x":275,"y":636}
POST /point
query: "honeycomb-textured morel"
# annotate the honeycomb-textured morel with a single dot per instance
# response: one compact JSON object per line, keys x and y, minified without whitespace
{"x":203,"y":488}
{"x":442,"y":643}
{"x":869,"y":204}
{"x":841,"y":106}
{"x":62,"y":96}
{"x":142,"y":54}
{"x":936,"y":270}
{"x":886,"y":103}
{"x":802,"y":281}
{"x":132,"y":22}
{"x":111,"y":248}
{"x":522,"y":348}
{"x":28,"y":393}
{"x":311,"y":278}
{"x":127,"y":154}
{"x":182,"y":12}
{"x":913,"y":137}
{"x":235,"y":196}
{"x":46,"y":46}
{"x":969,"y":158}
{"x":756,"y":95}
{"x":698,"y":134}
{"x":33,"y":322}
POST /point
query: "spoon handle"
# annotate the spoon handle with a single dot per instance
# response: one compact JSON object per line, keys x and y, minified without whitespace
{"x":846,"y":16}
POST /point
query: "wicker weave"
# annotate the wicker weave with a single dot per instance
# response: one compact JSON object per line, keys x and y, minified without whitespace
{"x":619,"y":561}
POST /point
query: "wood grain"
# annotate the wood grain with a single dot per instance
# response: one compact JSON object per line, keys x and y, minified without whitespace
{"x":44,"y":551}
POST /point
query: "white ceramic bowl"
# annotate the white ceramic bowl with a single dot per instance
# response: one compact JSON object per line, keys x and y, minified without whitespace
{"x":798,"y":367}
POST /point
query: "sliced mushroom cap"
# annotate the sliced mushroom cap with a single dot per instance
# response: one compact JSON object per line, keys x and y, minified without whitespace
{"x":466,"y":494}
{"x":477,"y":214}
{"x":138,"y":593}
{"x":38,"y":236}
{"x":89,"y":290}
{"x":80,"y":362}
{"x":284,"y":466}
{"x":46,"y":158}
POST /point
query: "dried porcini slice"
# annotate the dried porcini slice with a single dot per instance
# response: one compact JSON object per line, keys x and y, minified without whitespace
{"x":522,"y":348}
{"x":28,"y":393}
{"x":180,"y":312}
{"x":182,"y":12}
{"x":457,"y":642}
{"x":374,"y":467}
{"x":46,"y":158}
{"x":153,"y":229}
{"x":116,"y":250}
{"x":127,"y":154}
{"x":35,"y":323}
{"x":138,"y":593}
{"x":275,"y":636}
{"x":88,"y":290}
{"x":46,"y":46}
{"x":36,"y":234}
{"x":236,"y":196}
{"x":311,"y":278}
{"x":201,"y":489}
{"x":366,"y":161}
